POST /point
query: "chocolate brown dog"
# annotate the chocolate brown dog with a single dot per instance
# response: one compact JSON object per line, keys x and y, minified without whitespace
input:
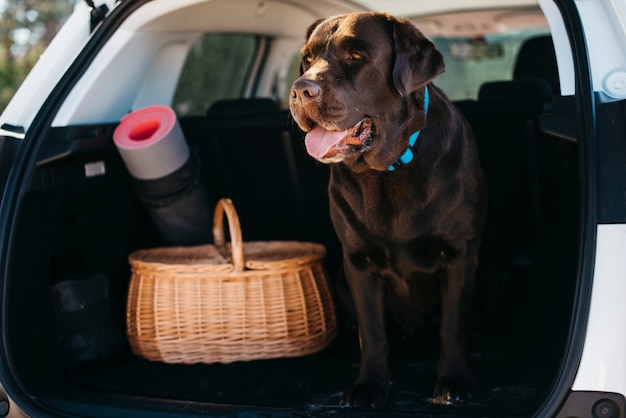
{"x":407,"y":195}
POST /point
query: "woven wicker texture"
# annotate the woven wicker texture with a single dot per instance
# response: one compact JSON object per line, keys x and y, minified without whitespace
{"x":229,"y":301}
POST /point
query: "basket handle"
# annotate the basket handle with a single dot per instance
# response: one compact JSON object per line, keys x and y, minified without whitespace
{"x":225,"y":205}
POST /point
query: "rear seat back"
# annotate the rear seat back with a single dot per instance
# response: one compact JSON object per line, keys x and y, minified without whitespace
{"x":536,"y":59}
{"x":518,"y":159}
{"x":249,"y":152}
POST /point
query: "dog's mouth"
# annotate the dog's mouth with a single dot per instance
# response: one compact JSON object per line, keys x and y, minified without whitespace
{"x":321,"y":143}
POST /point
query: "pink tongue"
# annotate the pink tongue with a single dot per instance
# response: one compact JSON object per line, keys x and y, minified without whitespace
{"x":319,"y":141}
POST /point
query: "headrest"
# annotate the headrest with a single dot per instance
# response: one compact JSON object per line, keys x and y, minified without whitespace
{"x":537,"y":89}
{"x":537,"y":59}
{"x":253,"y":107}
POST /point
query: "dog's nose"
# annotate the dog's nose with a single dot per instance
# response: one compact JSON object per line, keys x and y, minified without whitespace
{"x":305,"y":90}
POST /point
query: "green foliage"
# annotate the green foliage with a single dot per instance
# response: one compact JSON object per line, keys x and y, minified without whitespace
{"x":26,"y":29}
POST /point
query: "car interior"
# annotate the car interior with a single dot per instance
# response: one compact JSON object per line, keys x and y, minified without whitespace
{"x":74,"y":224}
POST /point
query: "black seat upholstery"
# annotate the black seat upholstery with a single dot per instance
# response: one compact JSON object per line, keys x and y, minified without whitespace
{"x":238,"y":113}
{"x":516,"y":155}
{"x":536,"y":59}
{"x":250,"y":153}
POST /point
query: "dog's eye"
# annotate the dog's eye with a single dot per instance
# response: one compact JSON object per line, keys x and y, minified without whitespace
{"x":356,"y":56}
{"x":307,"y":59}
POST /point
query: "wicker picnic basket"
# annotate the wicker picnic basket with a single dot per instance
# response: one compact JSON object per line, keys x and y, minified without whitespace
{"x":229,"y":301}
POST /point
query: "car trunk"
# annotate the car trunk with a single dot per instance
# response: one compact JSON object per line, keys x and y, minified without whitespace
{"x":73,"y":226}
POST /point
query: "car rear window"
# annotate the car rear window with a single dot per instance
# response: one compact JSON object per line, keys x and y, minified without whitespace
{"x":216,"y":68}
{"x":472,"y":62}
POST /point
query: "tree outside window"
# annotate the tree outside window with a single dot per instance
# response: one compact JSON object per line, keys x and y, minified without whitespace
{"x":26,"y":29}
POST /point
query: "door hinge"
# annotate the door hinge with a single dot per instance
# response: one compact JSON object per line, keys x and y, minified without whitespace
{"x":98,"y":13}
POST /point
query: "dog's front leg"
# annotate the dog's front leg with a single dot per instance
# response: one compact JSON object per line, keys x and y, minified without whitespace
{"x":372,"y":385}
{"x":454,"y":379}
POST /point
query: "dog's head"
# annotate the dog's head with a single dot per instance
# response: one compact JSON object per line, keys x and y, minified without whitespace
{"x":360,"y":94}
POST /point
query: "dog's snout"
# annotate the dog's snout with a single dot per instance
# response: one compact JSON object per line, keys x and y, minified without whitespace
{"x":305,"y":90}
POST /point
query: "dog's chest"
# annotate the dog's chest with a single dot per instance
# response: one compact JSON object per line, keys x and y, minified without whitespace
{"x":379,"y":207}
{"x":389,"y":226}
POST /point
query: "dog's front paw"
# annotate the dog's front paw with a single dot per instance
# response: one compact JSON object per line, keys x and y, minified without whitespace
{"x":451,"y":390}
{"x":366,"y":394}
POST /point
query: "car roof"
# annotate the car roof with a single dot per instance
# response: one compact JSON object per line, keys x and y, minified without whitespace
{"x":447,"y":18}
{"x":420,"y":8}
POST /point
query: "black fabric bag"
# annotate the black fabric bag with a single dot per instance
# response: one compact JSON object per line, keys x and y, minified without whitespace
{"x":178,"y":205}
{"x":86,"y":328}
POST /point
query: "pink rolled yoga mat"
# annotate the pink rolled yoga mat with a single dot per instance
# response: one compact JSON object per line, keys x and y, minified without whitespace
{"x":151,"y":142}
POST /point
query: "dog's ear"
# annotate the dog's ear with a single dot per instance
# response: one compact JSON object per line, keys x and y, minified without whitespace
{"x":417,"y":61}
{"x":312,"y":27}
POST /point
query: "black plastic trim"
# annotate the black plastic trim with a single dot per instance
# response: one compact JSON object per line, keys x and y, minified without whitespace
{"x":585,"y":122}
{"x":611,"y":131}
{"x":593,"y":404}
{"x":12,"y":129}
{"x":558,"y":121}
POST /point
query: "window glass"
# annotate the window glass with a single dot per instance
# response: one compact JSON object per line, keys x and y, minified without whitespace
{"x":472,"y":62}
{"x":216,"y":68}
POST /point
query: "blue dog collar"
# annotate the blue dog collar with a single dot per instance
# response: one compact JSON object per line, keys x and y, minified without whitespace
{"x":407,"y":156}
